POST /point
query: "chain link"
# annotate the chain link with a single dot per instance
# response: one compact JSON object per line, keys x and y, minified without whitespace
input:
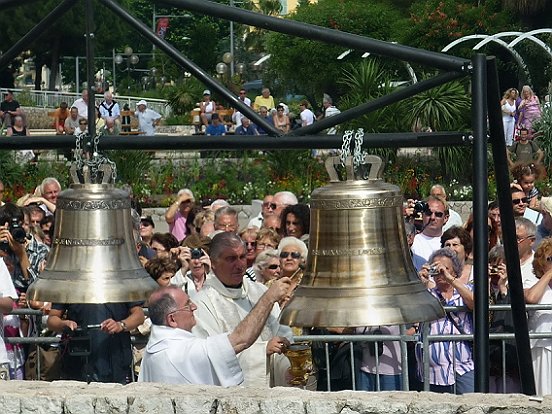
{"x":358,"y":156}
{"x":93,"y":161}
{"x":346,"y":146}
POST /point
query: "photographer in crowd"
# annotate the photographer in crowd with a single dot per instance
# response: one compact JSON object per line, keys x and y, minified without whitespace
{"x":194,"y":262}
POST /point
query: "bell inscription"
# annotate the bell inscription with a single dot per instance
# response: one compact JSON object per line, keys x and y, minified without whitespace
{"x":352,"y":203}
{"x":116,"y":204}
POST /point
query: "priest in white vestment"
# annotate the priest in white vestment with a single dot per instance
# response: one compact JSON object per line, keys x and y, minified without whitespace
{"x":174,"y":355}
{"x":227,"y":298}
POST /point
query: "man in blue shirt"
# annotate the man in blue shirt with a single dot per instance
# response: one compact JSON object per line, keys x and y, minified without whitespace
{"x":216,"y":128}
{"x":246,"y":128}
{"x":263,"y":111}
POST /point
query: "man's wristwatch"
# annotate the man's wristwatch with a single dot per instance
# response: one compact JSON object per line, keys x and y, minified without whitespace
{"x":123,"y":326}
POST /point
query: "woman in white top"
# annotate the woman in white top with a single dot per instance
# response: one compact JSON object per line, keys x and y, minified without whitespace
{"x":508,"y":106}
{"x":541,"y":321}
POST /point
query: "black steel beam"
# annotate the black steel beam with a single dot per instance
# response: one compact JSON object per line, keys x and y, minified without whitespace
{"x":195,"y":70}
{"x":480,"y":221}
{"x":515,"y":284}
{"x":35,"y":32}
{"x":323,"y":34}
{"x":377,"y":103}
{"x":91,"y":84}
{"x":239,"y":142}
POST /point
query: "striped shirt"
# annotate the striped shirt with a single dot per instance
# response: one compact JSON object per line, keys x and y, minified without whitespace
{"x":448,"y":359}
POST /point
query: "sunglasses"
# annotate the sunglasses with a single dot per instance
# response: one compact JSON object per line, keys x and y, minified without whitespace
{"x":294,"y":255}
{"x":83,"y":123}
{"x":270,"y":205}
{"x":523,"y":200}
{"x":273,"y":266}
{"x":438,"y":214}
{"x":251,"y":244}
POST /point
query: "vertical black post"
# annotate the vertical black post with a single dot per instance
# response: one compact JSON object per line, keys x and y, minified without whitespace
{"x":481,"y":233}
{"x":90,"y":69}
{"x":515,"y":286}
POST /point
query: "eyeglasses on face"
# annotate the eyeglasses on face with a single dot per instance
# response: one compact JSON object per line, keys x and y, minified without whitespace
{"x":438,"y":214}
{"x":265,"y":246}
{"x":273,"y":266}
{"x":83,"y":123}
{"x":294,"y":255}
{"x":252,"y":244}
{"x":523,"y":200}
{"x":549,"y":259}
{"x":521,"y":239}
{"x":186,"y":308}
{"x":270,"y":205}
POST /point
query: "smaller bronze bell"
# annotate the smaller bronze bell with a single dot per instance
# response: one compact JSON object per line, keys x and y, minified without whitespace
{"x":359,"y":270}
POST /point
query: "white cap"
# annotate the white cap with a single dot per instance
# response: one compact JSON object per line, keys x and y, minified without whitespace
{"x":206,"y":92}
{"x":142,"y":102}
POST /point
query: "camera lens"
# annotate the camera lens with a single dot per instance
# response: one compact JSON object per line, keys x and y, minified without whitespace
{"x":196,"y":253}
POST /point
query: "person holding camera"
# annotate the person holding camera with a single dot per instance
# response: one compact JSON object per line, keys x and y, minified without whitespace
{"x":195,"y":264}
{"x":13,"y":242}
{"x":450,"y":362}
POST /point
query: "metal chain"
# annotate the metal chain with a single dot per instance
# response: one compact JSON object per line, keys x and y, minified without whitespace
{"x":358,"y":156}
{"x":346,"y":146}
{"x":95,"y":162}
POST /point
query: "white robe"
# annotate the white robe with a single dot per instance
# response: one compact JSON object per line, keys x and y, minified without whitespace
{"x":220,"y":309}
{"x":176,"y":356}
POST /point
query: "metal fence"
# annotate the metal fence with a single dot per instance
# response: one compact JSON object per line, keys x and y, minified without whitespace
{"x":52,"y":99}
{"x":422,"y":339}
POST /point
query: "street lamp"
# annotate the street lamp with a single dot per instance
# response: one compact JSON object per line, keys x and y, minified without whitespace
{"x":131,"y":59}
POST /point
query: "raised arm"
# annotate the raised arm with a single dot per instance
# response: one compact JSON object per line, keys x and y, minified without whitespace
{"x":249,"y":329}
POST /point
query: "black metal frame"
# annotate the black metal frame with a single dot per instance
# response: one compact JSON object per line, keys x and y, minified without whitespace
{"x":485,"y":98}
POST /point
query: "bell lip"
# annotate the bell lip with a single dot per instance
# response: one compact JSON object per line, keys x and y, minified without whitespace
{"x":75,"y":291}
{"x":308,"y":311}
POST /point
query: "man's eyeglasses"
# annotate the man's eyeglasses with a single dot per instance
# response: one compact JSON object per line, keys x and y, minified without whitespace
{"x":294,"y":255}
{"x":438,"y":214}
{"x":83,"y":123}
{"x":521,"y":239}
{"x":273,"y":266}
{"x":185,"y":308}
{"x":270,"y":205}
{"x":523,"y":200}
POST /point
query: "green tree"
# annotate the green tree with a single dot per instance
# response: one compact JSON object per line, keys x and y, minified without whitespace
{"x":65,"y":37}
{"x":311,"y":68}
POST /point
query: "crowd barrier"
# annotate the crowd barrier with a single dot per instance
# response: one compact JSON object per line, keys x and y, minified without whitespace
{"x":349,"y":340}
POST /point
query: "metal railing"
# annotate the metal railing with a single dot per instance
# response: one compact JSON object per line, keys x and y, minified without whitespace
{"x":422,"y":339}
{"x":52,"y":99}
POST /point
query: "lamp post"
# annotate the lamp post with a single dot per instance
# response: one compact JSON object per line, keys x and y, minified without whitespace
{"x":131,"y":59}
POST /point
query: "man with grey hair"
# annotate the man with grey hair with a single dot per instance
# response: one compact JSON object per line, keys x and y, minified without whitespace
{"x":176,"y":215}
{"x":227,"y":298}
{"x":226,"y":219}
{"x":46,"y":195}
{"x":454,"y":218}
{"x":174,"y":355}
{"x":109,"y":109}
{"x":282,"y":199}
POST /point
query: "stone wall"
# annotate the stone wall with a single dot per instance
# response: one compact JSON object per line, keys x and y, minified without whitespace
{"x":37,"y":118}
{"x":64,"y":397}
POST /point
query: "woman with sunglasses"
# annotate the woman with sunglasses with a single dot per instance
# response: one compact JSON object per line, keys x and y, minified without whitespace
{"x":281,"y":120}
{"x":249,"y":237}
{"x":267,"y":266}
{"x":293,"y":255}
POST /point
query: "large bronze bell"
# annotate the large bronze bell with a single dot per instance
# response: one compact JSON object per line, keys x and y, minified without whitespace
{"x":359,"y":271}
{"x":93,"y":257}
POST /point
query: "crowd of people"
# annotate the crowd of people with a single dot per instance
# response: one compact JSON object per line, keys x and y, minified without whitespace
{"x":214,"y":317}
{"x":73,"y":120}
{"x":275,"y":114}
